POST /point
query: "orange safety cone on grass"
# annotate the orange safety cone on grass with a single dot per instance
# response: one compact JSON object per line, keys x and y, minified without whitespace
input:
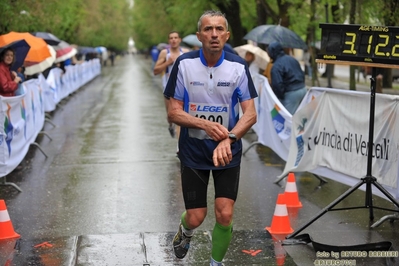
{"x":280,"y":222}
{"x":6,"y":228}
{"x":291,"y":193}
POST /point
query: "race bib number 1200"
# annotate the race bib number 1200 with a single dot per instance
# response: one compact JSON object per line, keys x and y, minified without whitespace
{"x":213,"y":112}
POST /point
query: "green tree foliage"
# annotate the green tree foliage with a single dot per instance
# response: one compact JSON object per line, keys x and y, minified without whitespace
{"x":154,"y":19}
{"x":111,"y":23}
{"x":82,"y":22}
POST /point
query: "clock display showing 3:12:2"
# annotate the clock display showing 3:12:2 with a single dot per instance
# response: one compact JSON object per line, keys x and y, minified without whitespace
{"x":372,"y":44}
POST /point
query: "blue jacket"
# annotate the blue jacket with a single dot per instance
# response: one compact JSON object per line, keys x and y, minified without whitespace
{"x":287,"y":74}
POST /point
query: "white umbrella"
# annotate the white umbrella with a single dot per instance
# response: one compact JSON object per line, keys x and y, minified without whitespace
{"x":192,"y":40}
{"x":261,"y":56}
{"x":40,"y":67}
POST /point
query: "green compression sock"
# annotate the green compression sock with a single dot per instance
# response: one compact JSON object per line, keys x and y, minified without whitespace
{"x":183,"y":220}
{"x":186,"y":230}
{"x":221,"y":237}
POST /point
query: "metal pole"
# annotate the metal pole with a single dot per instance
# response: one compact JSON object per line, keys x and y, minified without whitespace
{"x":328,"y":66}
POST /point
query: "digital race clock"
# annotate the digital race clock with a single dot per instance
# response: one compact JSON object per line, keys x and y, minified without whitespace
{"x":359,"y":43}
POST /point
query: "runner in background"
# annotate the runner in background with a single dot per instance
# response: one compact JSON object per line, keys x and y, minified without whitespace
{"x":164,"y":65}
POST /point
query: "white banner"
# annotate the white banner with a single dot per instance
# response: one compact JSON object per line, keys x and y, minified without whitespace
{"x":273,"y":126}
{"x":334,"y":137}
{"x":22,"y":117}
{"x":330,"y":136}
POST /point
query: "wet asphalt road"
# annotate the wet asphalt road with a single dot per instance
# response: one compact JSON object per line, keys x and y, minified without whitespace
{"x":109,"y":191}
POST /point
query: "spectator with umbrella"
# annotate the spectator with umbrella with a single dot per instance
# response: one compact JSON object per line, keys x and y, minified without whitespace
{"x":20,"y":48}
{"x":288,"y":79}
{"x":11,"y":55}
{"x":37,"y":53}
{"x":256,"y":57}
{"x":9,"y":80}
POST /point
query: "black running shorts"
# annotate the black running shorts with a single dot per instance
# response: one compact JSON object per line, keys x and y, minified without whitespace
{"x":195,"y":185}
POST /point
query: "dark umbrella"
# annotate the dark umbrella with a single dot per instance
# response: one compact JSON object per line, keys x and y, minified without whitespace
{"x":86,"y":50}
{"x":21,"y":49}
{"x":49,"y":38}
{"x":256,"y":32}
{"x":286,"y":37}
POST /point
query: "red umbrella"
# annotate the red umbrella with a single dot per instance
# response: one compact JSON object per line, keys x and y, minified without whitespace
{"x":65,"y":53}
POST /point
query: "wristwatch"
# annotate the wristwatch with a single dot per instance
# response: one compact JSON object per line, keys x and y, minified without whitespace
{"x":233,"y":137}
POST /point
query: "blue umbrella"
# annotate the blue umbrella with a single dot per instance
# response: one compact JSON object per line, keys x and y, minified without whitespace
{"x":256,"y":32}
{"x":21,"y":49}
{"x":101,"y":49}
{"x":286,"y":37}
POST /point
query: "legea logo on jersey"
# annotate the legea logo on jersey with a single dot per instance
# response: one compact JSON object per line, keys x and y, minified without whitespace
{"x":207,"y":108}
{"x":197,"y":83}
{"x":223,"y":83}
{"x":193,"y":107}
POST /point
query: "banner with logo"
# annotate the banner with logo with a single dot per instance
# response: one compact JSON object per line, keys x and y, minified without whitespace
{"x":22,"y":117}
{"x":273,"y":126}
{"x":54,"y":95}
{"x":330,"y":137}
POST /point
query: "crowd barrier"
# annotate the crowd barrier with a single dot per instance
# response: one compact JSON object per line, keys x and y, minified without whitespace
{"x":328,"y":134}
{"x":22,"y":117}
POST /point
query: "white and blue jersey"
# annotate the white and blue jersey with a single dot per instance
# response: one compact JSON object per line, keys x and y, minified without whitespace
{"x":212,"y":93}
{"x":165,"y":76}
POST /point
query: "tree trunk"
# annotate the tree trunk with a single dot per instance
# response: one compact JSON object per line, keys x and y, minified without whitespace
{"x":261,"y":13}
{"x":232,"y":11}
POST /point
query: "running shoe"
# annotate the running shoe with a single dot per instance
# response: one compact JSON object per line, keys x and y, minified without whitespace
{"x":181,"y":243}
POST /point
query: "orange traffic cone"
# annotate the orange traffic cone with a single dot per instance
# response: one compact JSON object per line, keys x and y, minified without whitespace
{"x":291,"y":193}
{"x":280,"y":221}
{"x":6,"y":228}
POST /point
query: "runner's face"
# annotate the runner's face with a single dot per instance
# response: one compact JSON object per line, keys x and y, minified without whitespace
{"x":174,"y":40}
{"x":213,"y":34}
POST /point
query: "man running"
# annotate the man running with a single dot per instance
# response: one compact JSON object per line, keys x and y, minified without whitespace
{"x":205,"y":90}
{"x":165,"y":62}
